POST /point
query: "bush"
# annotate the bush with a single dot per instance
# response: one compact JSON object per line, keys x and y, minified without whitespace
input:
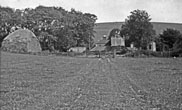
{"x":147,"y":53}
{"x":176,"y":53}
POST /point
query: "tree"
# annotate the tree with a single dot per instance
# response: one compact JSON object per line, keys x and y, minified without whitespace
{"x":71,"y":29}
{"x":173,"y":40}
{"x":5,"y":18}
{"x":178,"y":43}
{"x":82,"y":26}
{"x":55,"y":26}
{"x":177,"y":47}
{"x":138,"y":29}
{"x":169,"y":37}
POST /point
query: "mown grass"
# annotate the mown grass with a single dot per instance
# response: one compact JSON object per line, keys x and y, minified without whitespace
{"x":160,"y":78}
{"x":32,"y":82}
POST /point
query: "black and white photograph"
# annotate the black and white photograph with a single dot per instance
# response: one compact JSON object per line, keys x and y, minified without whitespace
{"x":90,"y":54}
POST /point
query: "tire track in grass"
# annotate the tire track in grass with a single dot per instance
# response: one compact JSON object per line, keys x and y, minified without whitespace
{"x":144,"y":97}
{"x":133,"y":93}
{"x":75,"y":92}
{"x":119,"y":94}
{"x":95,"y":88}
{"x":119,"y":86}
{"x":82,"y":87}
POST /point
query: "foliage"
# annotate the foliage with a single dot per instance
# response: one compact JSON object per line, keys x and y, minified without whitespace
{"x":47,"y":41}
{"x":169,"y":37}
{"x":177,"y":47}
{"x":5,"y":17}
{"x":138,"y":29}
{"x":178,"y":43}
{"x":147,"y":53}
{"x":70,"y":29}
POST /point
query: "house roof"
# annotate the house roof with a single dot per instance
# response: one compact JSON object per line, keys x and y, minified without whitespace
{"x":99,"y":48}
{"x":102,"y":41}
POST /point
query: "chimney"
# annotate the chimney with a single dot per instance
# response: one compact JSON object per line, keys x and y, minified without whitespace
{"x":104,"y":37}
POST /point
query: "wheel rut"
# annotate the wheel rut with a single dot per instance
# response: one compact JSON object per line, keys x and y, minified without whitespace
{"x":103,"y":85}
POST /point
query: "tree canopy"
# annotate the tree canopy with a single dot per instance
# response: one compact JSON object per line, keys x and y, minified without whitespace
{"x":169,"y":37}
{"x":138,"y":29}
{"x":54,"y":26}
{"x":171,"y":40}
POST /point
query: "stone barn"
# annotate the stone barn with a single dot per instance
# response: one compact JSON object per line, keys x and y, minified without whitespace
{"x":21,"y":41}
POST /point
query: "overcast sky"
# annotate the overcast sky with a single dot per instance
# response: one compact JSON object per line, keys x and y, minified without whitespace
{"x":111,"y":10}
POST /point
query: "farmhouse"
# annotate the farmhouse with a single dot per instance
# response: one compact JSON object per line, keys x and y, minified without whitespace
{"x":101,"y":45}
{"x":21,"y":41}
{"x":117,"y":40}
{"x":106,"y":45}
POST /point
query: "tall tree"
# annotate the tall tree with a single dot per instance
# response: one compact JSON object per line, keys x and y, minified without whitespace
{"x":138,"y":29}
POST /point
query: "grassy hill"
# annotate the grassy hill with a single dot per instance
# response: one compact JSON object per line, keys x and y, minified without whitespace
{"x":104,"y":28}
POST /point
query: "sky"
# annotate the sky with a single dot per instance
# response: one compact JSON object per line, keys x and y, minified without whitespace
{"x":110,"y":10}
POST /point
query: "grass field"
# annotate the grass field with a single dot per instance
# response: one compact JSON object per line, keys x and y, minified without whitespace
{"x":30,"y":82}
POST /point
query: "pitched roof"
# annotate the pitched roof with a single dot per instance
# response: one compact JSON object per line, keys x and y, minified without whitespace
{"x":99,"y":48}
{"x":102,"y":41}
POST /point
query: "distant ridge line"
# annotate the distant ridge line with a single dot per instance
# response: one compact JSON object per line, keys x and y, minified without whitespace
{"x":105,"y":27}
{"x":151,"y":22}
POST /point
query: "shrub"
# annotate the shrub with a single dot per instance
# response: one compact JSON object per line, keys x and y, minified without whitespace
{"x":147,"y":53}
{"x":176,"y":53}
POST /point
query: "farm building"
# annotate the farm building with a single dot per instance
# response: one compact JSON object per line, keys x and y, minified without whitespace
{"x":21,"y":41}
{"x":101,"y":45}
{"x":117,"y":40}
{"x":104,"y":44}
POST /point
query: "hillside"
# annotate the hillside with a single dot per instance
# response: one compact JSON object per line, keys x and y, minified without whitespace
{"x":104,"y":28}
